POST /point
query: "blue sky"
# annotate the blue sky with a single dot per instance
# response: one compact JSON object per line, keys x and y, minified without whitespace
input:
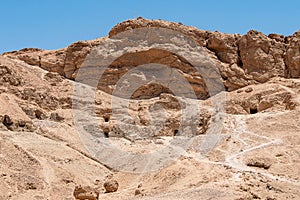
{"x":53,"y":24}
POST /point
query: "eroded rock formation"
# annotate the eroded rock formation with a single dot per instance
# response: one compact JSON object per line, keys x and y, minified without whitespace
{"x":241,"y":59}
{"x":53,"y":138}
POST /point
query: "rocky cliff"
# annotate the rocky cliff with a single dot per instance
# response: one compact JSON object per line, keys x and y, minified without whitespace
{"x":236,"y":138}
{"x":242,"y":60}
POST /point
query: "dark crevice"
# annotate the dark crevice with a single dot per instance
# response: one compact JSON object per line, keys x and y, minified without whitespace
{"x":40,"y":61}
{"x":223,"y":77}
{"x":287,"y":73}
{"x":287,"y":39}
{"x":106,"y":134}
{"x":106,"y":119}
{"x":253,"y":110}
{"x":220,"y":59}
{"x":239,"y":61}
{"x":176,"y":132}
{"x":226,"y":88}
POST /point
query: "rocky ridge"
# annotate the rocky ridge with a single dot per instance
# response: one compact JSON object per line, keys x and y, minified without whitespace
{"x":245,"y":59}
{"x":44,"y":157}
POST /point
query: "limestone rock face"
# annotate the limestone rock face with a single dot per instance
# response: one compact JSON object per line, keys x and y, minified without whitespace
{"x":129,"y":61}
{"x":200,"y":36}
{"x":54,"y":137}
{"x":51,"y":60}
{"x":292,"y":57}
{"x":28,"y":55}
{"x":75,"y":55}
{"x":261,"y":56}
{"x":225,"y":46}
{"x":264,"y":98}
{"x":8,"y":76}
{"x":241,"y":60}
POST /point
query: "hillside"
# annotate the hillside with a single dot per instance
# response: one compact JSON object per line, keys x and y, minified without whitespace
{"x":167,"y":111}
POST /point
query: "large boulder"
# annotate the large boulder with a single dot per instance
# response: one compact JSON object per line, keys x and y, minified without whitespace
{"x":261,"y":57}
{"x":111,"y":186}
{"x":85,"y":193}
{"x":225,"y":46}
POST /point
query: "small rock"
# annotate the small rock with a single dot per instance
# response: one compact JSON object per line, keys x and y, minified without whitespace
{"x":7,"y":121}
{"x":260,"y":162}
{"x":248,"y":90}
{"x":39,"y":114}
{"x":97,"y":182}
{"x":30,"y":127}
{"x":67,"y":160}
{"x":85,"y":193}
{"x":30,"y":186}
{"x":158,"y":141}
{"x":56,"y":117}
{"x":269,"y":187}
{"x":22,"y":123}
{"x":277,"y":37}
{"x":279,"y":155}
{"x":111,"y":186}
{"x":137,"y":192}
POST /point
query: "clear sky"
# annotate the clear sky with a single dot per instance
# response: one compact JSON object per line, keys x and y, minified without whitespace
{"x":52,"y":24}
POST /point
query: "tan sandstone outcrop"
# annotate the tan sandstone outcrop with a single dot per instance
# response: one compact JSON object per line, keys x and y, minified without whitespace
{"x":292,"y":57}
{"x":50,"y":143}
{"x":241,"y":59}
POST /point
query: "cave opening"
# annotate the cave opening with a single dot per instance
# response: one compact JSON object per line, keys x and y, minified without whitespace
{"x":176,"y":132}
{"x":106,"y":119}
{"x":253,"y":110}
{"x":106,"y":134}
